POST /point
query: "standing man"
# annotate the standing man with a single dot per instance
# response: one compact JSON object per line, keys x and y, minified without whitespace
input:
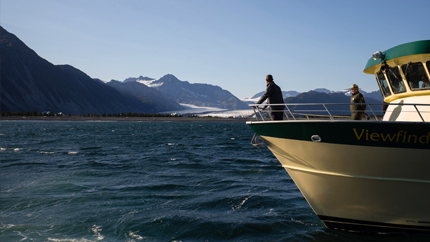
{"x":273,"y":95}
{"x":357,"y":111}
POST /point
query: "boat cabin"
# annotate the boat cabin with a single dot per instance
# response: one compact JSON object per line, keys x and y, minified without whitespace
{"x":402,"y":74}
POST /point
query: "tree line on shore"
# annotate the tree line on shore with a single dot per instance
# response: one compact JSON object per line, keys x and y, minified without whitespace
{"x":90,"y":115}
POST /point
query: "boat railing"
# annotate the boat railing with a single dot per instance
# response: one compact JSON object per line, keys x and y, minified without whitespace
{"x":334,"y":111}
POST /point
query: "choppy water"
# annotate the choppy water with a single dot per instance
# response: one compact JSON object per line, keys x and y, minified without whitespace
{"x":150,"y":181}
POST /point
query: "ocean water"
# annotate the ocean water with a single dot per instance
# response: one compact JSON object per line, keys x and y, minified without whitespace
{"x":150,"y":181}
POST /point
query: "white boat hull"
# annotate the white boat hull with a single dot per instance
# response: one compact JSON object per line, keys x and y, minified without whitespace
{"x":351,"y":186}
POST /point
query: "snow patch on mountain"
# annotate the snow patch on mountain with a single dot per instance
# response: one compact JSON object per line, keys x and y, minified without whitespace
{"x":348,"y":92}
{"x":150,"y":83}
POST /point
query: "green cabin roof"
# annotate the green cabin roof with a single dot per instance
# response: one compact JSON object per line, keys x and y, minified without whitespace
{"x":412,"y":48}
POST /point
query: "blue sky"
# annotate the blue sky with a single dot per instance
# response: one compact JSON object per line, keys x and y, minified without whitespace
{"x":233,"y":44}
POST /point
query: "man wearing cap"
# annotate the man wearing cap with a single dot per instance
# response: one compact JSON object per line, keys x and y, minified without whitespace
{"x":273,"y":95}
{"x":357,"y":111}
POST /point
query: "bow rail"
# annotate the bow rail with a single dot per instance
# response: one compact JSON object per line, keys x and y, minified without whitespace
{"x":339,"y":111}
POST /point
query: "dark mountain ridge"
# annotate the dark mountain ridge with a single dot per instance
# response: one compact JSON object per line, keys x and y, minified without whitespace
{"x":376,"y":95}
{"x":150,"y":98}
{"x":31,"y":83}
{"x":329,"y":98}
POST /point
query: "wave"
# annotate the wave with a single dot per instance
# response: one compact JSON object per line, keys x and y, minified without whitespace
{"x":47,"y":152}
{"x":11,"y":149}
{"x":4,"y":164}
{"x":168,"y":182}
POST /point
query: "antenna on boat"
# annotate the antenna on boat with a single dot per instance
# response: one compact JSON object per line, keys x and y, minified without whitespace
{"x":378,"y":55}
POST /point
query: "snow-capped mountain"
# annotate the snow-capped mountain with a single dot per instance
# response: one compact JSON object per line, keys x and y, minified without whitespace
{"x":150,"y":98}
{"x":203,"y":95}
{"x":140,"y":78}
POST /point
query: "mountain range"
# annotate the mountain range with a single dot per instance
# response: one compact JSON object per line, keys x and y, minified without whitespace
{"x":203,"y":95}
{"x":150,"y":98}
{"x":30,"y":83}
{"x":320,"y":95}
{"x":331,"y":98}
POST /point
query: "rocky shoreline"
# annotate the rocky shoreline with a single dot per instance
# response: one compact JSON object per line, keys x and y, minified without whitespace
{"x":121,"y":119}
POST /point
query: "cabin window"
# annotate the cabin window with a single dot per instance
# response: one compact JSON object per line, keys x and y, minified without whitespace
{"x":395,"y":79}
{"x":416,"y":76}
{"x":425,"y":79}
{"x":383,"y":84}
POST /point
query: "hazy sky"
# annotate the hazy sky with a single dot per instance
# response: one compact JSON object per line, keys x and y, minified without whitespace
{"x":234,"y":44}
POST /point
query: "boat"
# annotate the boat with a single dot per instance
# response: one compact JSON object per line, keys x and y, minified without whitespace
{"x":369,"y":175}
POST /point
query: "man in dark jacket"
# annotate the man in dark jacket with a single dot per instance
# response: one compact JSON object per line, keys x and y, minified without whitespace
{"x":357,"y":111}
{"x":273,"y":95}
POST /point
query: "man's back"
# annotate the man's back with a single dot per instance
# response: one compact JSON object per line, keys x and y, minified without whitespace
{"x":273,"y":95}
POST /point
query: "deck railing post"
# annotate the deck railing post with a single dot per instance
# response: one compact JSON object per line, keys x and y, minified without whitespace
{"x":418,"y":111}
{"x":331,"y":117}
{"x":261,"y":115}
{"x":292,"y":115}
{"x":256,"y":116}
{"x":376,"y":117}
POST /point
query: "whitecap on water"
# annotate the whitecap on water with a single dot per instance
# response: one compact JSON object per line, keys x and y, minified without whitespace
{"x":46,"y":152}
{"x":96,"y":230}
{"x":135,"y":236}
{"x":14,"y":149}
{"x":7,"y":226}
{"x":69,"y":240}
{"x":242,"y":203}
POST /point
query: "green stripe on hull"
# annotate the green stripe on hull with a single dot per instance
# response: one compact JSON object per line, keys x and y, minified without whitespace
{"x":381,"y":134}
